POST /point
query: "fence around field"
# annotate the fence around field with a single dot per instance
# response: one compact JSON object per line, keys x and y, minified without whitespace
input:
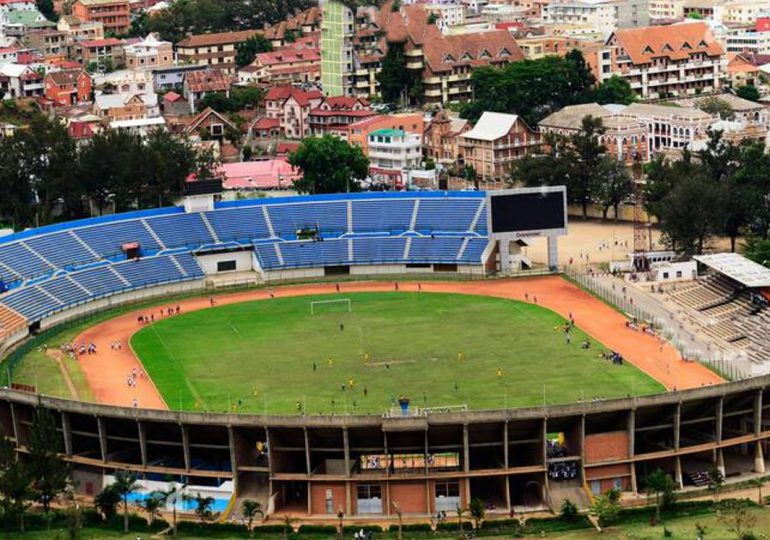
{"x":730,"y":365}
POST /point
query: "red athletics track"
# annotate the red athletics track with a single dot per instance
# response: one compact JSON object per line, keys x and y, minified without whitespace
{"x":106,"y":371}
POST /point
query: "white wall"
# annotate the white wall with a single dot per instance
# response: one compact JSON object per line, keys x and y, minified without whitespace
{"x":243,"y":261}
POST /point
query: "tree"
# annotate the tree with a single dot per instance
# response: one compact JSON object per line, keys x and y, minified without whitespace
{"x":460,"y":513}
{"x":569,"y":512}
{"x":478,"y":511}
{"x":329,"y":165}
{"x":170,"y":161}
{"x":172,"y":496}
{"x":691,"y":214}
{"x":250,"y":509}
{"x":46,"y":7}
{"x":15,"y":491}
{"x":107,"y":501}
{"x":613,"y":185}
{"x":737,"y":516}
{"x":248,"y":50}
{"x":748,"y":91}
{"x":50,"y":473}
{"x":716,"y":480}
{"x":397,"y":83}
{"x":203,"y":507}
{"x":125,"y":484}
{"x":658,"y":483}
{"x":715,"y":105}
{"x":757,"y":249}
{"x":606,"y":508}
{"x":152,"y":505}
{"x":616,"y":89}
{"x":757,"y":483}
{"x":400,"y":515}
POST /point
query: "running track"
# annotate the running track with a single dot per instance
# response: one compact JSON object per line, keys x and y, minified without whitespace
{"x":106,"y":372}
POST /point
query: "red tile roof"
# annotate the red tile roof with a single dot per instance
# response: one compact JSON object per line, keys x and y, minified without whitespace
{"x":286,"y":57}
{"x":107,"y":42}
{"x":282,"y":93}
{"x":172,"y":97}
{"x":266,"y":123}
{"x":220,"y":38}
{"x":209,"y":80}
{"x":675,"y":42}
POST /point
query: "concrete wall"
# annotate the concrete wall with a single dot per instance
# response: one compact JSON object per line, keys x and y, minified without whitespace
{"x":243,"y":261}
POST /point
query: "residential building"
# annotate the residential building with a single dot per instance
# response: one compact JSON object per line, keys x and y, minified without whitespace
{"x":292,"y":106}
{"x":495,"y":142}
{"x":123,"y":81}
{"x":306,"y":23}
{"x":7,"y":6}
{"x":280,"y":67}
{"x":535,"y":47}
{"x":746,"y":68}
{"x":392,"y":153}
{"x":210,"y":125}
{"x":742,"y":41}
{"x":20,"y":80}
{"x":175,"y":104}
{"x":358,"y":132}
{"x":140,"y":126}
{"x":337,"y":31}
{"x":502,"y":12}
{"x":265,"y":129}
{"x":624,"y":138}
{"x":701,"y":9}
{"x":80,"y":30}
{"x":172,"y":77}
{"x":743,"y":110}
{"x":335,"y":114}
{"x":675,"y":60}
{"x":441,"y":138}
{"x":604,"y":15}
{"x":115,"y":107}
{"x":104,"y":53}
{"x":666,"y":10}
{"x":198,"y":84}
{"x":445,"y":62}
{"x":18,"y":23}
{"x":115,"y":15}
{"x":49,"y":42}
{"x":68,"y":87}
{"x":447,"y":14}
{"x":262,"y":174}
{"x":669,"y":127}
{"x":214,"y":50}
{"x":742,"y":13}
{"x":150,"y":53}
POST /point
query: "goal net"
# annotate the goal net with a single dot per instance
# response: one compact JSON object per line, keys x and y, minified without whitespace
{"x":339,"y":305}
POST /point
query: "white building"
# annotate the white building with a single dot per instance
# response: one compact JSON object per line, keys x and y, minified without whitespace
{"x":394,"y":150}
{"x":741,"y":41}
{"x":740,"y":12}
{"x":501,"y":12}
{"x":448,"y":14}
{"x":603,"y":15}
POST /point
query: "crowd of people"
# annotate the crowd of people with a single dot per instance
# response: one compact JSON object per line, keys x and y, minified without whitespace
{"x":164,"y":312}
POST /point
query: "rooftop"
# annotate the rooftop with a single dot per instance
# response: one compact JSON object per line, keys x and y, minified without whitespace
{"x":491,"y":126}
{"x":736,"y":267}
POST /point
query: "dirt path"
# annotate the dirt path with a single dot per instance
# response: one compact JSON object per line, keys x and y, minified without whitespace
{"x":108,"y":370}
{"x":57,"y":356}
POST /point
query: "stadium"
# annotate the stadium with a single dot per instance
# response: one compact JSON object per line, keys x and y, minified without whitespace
{"x":358,"y":354}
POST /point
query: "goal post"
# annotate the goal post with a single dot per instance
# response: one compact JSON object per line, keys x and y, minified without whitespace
{"x":330,"y":306}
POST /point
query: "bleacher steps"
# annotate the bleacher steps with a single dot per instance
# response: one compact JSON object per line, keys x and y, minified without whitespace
{"x":415,"y":210}
{"x":464,"y":245}
{"x":407,"y":247}
{"x":120,"y":277}
{"x":153,"y":234}
{"x":10,"y":270}
{"x":268,"y":221}
{"x":278,"y":252}
{"x":78,"y":285}
{"x":350,"y":250}
{"x":209,"y":228}
{"x":36,"y":254}
{"x":85,"y":246}
{"x":350,"y":218}
{"x":49,"y":295}
{"x":179,"y":266}
{"x":476,"y":218}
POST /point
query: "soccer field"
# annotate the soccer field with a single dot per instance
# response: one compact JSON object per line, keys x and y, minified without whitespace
{"x":274,"y":356}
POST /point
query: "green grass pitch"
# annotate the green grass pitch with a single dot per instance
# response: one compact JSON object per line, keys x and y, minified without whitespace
{"x":259,"y":356}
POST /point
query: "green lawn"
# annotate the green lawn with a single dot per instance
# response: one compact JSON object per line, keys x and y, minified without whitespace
{"x":260,"y":356}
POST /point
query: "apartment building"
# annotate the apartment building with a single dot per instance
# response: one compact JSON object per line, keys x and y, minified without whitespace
{"x":666,"y":10}
{"x":214,"y":50}
{"x":80,"y":29}
{"x":287,"y":66}
{"x":49,"y":43}
{"x":667,"y":61}
{"x":603,"y":15}
{"x":337,"y":32}
{"x":742,"y":13}
{"x":447,"y":14}
{"x":115,"y":15}
{"x":495,"y":143}
{"x":335,"y":114}
{"x":358,"y":132}
{"x":291,"y":107}
{"x":149,"y":53}
{"x":441,"y":137}
{"x":68,"y":87}
{"x":742,"y":41}
{"x":394,"y":150}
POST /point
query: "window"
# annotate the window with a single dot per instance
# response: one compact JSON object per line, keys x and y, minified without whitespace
{"x":448,"y":489}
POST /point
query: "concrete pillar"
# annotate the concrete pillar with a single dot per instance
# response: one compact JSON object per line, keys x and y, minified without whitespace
{"x":348,"y":503}
{"x":185,"y":447}
{"x":385,"y":447}
{"x":677,"y":421}
{"x":553,"y":253}
{"x":346,"y":449}
{"x":427,"y":452}
{"x":719,"y":415}
{"x":466,"y":463}
{"x":759,"y":458}
{"x":269,"y":454}
{"x":307,"y":452}
{"x":102,"y":437}
{"x":16,"y":424}
{"x":678,"y":472}
{"x":505,"y":255}
{"x":720,"y":462}
{"x":66,"y":430}
{"x":309,"y":500}
{"x":758,"y":413}
{"x":233,"y":456}
{"x":505,"y":448}
{"x":507,"y":485}
{"x":583,"y":448}
{"x":142,"y":441}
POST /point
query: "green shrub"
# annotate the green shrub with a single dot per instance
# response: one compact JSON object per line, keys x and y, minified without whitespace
{"x":352,"y":529}
{"x":415,"y":527}
{"x":213,"y":529}
{"x":318,"y":529}
{"x":502,"y":524}
{"x":537,"y":525}
{"x":274,"y":528}
{"x":453,"y":526}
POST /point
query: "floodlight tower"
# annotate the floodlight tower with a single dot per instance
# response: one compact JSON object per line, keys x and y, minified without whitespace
{"x":642,"y":237}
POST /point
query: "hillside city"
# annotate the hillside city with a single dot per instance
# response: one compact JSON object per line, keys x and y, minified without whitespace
{"x":613,"y":98}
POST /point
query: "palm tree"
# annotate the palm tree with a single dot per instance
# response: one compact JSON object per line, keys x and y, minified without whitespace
{"x":152,"y":506}
{"x":399,"y":513}
{"x":125,"y":484}
{"x":460,"y":513}
{"x":250,"y":509}
{"x":172,"y":496}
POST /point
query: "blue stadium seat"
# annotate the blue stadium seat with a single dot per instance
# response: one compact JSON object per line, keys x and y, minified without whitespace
{"x":108,"y":239}
{"x":435,"y":215}
{"x":435,"y":249}
{"x":267,"y":257}
{"x":308,"y":253}
{"x":61,"y":249}
{"x":473,"y":250}
{"x":246,"y":223}
{"x":21,"y":262}
{"x":329,"y":217}
{"x":369,"y":250}
{"x":382,"y":215}
{"x":181,"y":230}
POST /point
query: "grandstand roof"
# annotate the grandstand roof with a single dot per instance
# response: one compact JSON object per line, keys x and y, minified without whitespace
{"x":738,"y":268}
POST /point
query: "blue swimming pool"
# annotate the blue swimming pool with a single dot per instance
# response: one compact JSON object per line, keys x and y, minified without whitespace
{"x":219,"y":505}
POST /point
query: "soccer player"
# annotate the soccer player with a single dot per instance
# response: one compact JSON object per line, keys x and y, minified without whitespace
{"x":499,"y":372}
{"x":460,"y":356}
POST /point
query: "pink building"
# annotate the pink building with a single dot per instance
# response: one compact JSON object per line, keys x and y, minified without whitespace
{"x":292,"y":106}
